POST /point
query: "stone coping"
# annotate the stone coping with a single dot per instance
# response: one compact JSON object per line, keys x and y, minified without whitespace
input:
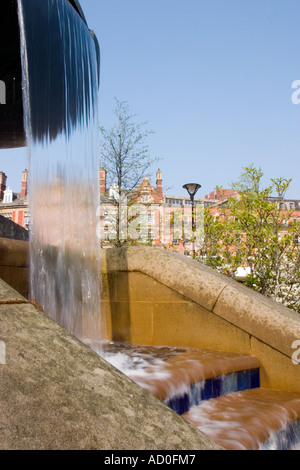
{"x":9,"y":295}
{"x":259,"y":316}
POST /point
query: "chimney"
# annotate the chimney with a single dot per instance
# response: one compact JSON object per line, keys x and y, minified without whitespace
{"x":102,"y":179}
{"x":24,"y":184}
{"x":159,"y":187}
{"x":3,"y":179}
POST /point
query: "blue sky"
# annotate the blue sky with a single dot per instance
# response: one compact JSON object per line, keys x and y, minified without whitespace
{"x":212,"y":78}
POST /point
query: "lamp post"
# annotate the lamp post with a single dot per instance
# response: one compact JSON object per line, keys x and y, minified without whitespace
{"x":192,"y":188}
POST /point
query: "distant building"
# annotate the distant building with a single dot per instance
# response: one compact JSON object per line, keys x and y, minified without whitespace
{"x":148,"y":215}
{"x":14,"y":206}
{"x":220,"y":194}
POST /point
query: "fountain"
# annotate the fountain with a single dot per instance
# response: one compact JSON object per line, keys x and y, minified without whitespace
{"x":51,"y":93}
{"x":60,"y":96}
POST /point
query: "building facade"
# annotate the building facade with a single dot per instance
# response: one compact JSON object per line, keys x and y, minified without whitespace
{"x":144,"y":215}
{"x":14,"y":206}
{"x":147,"y":215}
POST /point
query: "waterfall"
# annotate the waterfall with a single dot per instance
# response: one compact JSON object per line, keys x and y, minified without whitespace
{"x":60,"y":96}
{"x":219,"y":392}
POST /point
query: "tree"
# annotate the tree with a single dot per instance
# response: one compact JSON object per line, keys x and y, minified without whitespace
{"x":251,"y":231}
{"x":125,"y":156}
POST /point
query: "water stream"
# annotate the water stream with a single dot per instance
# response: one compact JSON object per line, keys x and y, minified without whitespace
{"x":216,"y":391}
{"x":60,"y":95}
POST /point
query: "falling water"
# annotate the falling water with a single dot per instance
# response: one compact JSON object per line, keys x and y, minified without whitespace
{"x":219,"y":392}
{"x":60,"y":95}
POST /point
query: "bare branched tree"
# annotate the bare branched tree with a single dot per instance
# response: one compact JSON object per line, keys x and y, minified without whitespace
{"x":125,"y":155}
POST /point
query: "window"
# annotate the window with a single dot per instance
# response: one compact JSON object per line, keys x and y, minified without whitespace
{"x":8,"y":196}
{"x":150,"y":234}
{"x":26,"y":219}
{"x":150,"y":217}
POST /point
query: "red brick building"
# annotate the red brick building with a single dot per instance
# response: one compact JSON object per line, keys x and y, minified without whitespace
{"x":165,"y":219}
{"x":14,"y":206}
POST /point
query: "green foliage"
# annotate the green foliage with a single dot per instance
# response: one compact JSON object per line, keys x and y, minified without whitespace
{"x":251,"y":231}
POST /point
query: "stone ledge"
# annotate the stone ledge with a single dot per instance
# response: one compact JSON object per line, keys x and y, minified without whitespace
{"x":266,"y":320}
{"x":200,"y":285}
{"x":10,"y":296}
{"x":263,"y":318}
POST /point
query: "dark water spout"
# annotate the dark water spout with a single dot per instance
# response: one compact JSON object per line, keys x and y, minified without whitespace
{"x":59,"y":114}
{"x":60,"y":80}
{"x":12,"y":132}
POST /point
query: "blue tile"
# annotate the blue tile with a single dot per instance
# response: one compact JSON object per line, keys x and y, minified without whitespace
{"x":179,"y":404}
{"x":206,"y":392}
{"x":284,"y":439}
{"x":243,"y":380}
{"x":254,"y":378}
{"x":298,"y":427}
{"x":230,"y":383}
{"x":287,"y":438}
{"x":217,"y":386}
{"x":214,"y":387}
{"x":196,"y":391}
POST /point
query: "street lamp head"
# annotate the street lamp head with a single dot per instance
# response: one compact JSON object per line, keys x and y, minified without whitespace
{"x":192,"y":188}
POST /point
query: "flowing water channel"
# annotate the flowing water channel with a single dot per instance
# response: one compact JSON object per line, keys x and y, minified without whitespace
{"x":60,"y":95}
{"x":216,"y":391}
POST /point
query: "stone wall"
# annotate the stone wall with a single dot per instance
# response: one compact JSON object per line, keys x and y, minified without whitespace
{"x":14,"y":264}
{"x":152,"y":296}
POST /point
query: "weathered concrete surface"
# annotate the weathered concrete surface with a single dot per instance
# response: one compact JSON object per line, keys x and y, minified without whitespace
{"x":55,"y":393}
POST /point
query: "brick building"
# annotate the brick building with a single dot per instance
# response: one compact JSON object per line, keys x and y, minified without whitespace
{"x":152,"y":217}
{"x":14,"y":206}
